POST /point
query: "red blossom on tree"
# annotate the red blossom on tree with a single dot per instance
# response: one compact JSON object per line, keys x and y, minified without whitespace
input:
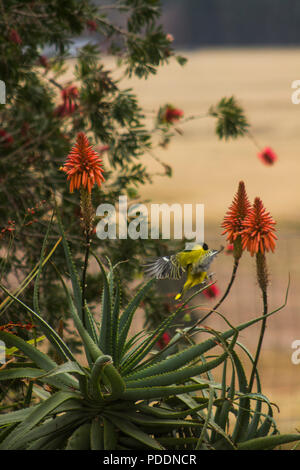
{"x":69,"y":105}
{"x":6,"y":138}
{"x":15,"y":37}
{"x":44,"y":61}
{"x":91,"y":25}
{"x":163,"y":341}
{"x":211,"y":291}
{"x":268,"y":156}
{"x":170,"y":37}
{"x":173,"y":114}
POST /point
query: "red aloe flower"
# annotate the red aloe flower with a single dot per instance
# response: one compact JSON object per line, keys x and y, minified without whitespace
{"x":239,"y":209}
{"x":268,"y":156}
{"x":258,"y":234}
{"x":83,"y":165}
{"x":163,"y":341}
{"x":211,"y":291}
{"x":172,"y":114}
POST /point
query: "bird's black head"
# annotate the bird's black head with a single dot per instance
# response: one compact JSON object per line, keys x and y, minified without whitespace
{"x":205,"y":246}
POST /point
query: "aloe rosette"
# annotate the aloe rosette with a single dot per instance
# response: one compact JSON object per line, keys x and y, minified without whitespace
{"x":129,"y":395}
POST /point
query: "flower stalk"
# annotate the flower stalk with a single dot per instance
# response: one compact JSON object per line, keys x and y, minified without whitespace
{"x":262,"y":277}
{"x":84,"y":169}
{"x":258,"y":237}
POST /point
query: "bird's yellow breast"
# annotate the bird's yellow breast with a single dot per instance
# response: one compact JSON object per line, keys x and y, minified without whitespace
{"x":190,"y":257}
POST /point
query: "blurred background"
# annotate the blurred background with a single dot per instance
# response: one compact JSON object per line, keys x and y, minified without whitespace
{"x":251,"y":52}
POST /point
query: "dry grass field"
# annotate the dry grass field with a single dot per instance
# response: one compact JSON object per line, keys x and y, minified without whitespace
{"x":207,"y":171}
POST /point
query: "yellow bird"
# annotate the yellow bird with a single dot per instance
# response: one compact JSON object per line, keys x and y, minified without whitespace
{"x":195,"y":260}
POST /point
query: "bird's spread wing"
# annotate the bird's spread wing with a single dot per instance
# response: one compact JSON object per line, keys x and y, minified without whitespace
{"x":204,"y":262}
{"x":166,"y":267}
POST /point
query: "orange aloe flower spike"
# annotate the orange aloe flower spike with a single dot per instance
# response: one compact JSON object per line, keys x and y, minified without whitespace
{"x":258,"y":234}
{"x":83,"y":166}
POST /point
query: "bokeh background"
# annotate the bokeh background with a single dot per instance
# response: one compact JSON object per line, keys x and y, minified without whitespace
{"x":251,"y":52}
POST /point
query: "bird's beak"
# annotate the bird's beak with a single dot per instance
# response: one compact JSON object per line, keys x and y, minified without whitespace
{"x":216,"y":252}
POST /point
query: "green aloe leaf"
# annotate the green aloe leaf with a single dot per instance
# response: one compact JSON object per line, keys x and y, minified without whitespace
{"x":244,"y":413}
{"x":133,"y":347}
{"x":91,"y":347}
{"x":97,"y":435}
{"x":110,"y":435}
{"x":268,"y":442}
{"x":40,"y":268}
{"x":49,"y":332}
{"x":69,"y":367}
{"x":156,"y":423}
{"x":40,"y":359}
{"x":115,"y":323}
{"x":222,"y":418}
{"x":91,"y":324}
{"x":71,"y":267}
{"x":33,"y":273}
{"x":186,"y":356}
{"x":96,"y":374}
{"x":159,"y":392}
{"x":207,"y":419}
{"x":146,"y":346}
{"x":165,"y":413}
{"x":12,"y":351}
{"x":177,"y":376}
{"x":76,"y":286}
{"x":264,"y":429}
{"x":65,"y":424}
{"x":54,"y":441}
{"x":80,"y":439}
{"x":21,"y":373}
{"x":127,"y":316}
{"x":106,"y":330}
{"x":16,"y":416}
{"x":252,"y":428}
{"x":35,"y":417}
{"x":191,"y":402}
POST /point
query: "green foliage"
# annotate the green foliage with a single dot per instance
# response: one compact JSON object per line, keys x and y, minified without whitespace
{"x":130,"y":395}
{"x":231,"y":121}
{"x":40,"y":125}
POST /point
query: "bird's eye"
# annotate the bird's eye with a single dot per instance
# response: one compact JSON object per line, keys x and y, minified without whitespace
{"x":205,"y":246}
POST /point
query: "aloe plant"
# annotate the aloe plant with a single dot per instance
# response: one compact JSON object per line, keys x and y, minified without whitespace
{"x":127,"y":394}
